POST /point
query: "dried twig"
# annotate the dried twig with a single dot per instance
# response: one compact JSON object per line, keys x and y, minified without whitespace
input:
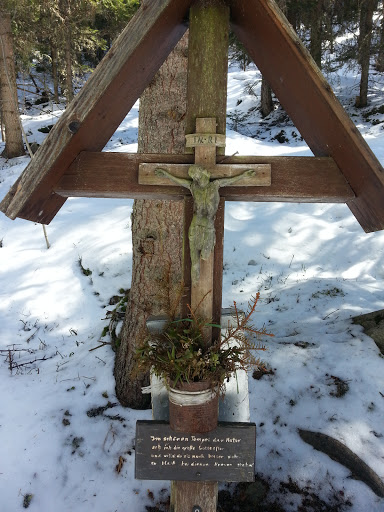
{"x":103,"y":343}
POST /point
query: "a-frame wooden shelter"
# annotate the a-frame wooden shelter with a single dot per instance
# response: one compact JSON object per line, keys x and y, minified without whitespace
{"x":70,"y":162}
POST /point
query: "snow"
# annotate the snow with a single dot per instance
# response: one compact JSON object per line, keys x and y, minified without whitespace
{"x":315,"y":269}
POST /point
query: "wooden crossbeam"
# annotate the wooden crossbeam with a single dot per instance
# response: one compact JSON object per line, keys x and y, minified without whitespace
{"x":294,"y":179}
{"x":261,"y":179}
{"x":90,"y":120}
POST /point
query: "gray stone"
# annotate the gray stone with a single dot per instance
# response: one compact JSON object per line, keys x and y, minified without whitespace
{"x":373,"y":325}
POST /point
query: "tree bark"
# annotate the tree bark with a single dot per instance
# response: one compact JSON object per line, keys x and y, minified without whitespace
{"x":157,"y":226}
{"x":380,"y":55}
{"x":293,"y":16}
{"x":2,"y":125}
{"x":266,"y":104}
{"x":66,"y":32}
{"x":68,"y":63}
{"x":8,"y":92}
{"x":317,"y":31}
{"x":55,"y":73}
{"x":365,"y":38}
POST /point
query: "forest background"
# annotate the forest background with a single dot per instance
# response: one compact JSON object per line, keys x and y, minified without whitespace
{"x":62,"y":41}
{"x":54,"y":45}
{"x":65,"y":40}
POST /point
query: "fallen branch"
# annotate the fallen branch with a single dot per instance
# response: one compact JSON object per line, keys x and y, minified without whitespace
{"x":103,"y":343}
{"x":340,"y":453}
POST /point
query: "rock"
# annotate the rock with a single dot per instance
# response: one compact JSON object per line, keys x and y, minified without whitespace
{"x":373,"y":325}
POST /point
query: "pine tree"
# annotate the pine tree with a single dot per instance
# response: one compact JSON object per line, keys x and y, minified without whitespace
{"x":365,"y":38}
{"x":380,"y":55}
{"x":157,"y":226}
{"x":266,"y":103}
{"x":8,"y":91}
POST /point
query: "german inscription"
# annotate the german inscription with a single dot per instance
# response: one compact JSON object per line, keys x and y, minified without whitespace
{"x":224,"y":454}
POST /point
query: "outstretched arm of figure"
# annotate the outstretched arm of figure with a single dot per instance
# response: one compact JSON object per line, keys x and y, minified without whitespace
{"x":162,"y":173}
{"x":225,"y":182}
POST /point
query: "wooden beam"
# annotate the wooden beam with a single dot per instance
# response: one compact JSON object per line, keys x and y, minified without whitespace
{"x":98,"y":109}
{"x":208,"y":65}
{"x":262,"y":178}
{"x":293,"y":179}
{"x":116,"y":175}
{"x":206,"y":114}
{"x":308,"y":99}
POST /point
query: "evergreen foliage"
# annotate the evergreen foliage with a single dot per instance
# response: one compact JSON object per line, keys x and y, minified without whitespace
{"x":181,"y":353}
{"x":66,"y":38}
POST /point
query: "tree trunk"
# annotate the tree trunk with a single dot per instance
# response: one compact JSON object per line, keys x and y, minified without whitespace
{"x":2,"y":126}
{"x":55,"y":73}
{"x":293,"y":15}
{"x":317,"y":31}
{"x":157,"y":226}
{"x":266,"y":104}
{"x":365,"y":38}
{"x":66,"y":38}
{"x":68,"y":65}
{"x":8,"y":92}
{"x":380,"y":55}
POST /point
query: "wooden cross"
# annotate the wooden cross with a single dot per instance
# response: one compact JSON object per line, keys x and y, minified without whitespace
{"x":70,"y":164}
{"x":205,"y":141}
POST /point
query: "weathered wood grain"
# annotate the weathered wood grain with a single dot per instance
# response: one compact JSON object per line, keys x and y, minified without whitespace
{"x":293,"y":179}
{"x":208,"y":65}
{"x":262,"y":178}
{"x":202,"y":289}
{"x":310,"y":102}
{"x":100,"y":106}
{"x":206,"y":113}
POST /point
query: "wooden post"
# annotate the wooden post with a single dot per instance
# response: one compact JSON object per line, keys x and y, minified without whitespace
{"x":202,"y":291}
{"x":208,"y":63}
{"x":207,"y":96}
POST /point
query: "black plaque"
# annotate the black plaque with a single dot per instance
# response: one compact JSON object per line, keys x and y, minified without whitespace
{"x":226,"y":454}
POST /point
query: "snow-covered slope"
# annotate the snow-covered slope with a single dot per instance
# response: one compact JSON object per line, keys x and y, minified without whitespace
{"x":315,"y":269}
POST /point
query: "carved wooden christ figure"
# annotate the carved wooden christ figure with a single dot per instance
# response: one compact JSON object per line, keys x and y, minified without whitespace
{"x":206,"y":200}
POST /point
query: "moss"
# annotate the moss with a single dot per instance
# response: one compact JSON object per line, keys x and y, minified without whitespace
{"x":27,"y":500}
{"x":332,"y":292}
{"x":85,"y":271}
{"x":45,"y":129}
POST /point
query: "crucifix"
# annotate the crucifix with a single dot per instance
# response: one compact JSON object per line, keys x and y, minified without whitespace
{"x":70,"y":162}
{"x":205,"y":179}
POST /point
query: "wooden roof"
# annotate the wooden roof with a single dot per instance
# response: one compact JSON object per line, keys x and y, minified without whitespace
{"x":95,"y":113}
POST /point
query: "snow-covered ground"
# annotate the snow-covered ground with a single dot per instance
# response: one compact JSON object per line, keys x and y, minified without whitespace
{"x":315,"y":269}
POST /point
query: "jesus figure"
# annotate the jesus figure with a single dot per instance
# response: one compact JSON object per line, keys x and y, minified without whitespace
{"x":206,"y":200}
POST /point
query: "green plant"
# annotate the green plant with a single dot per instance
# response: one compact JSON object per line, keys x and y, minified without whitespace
{"x":181,"y":353}
{"x":85,"y":271}
{"x":27,"y":500}
{"x":115,"y":316}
